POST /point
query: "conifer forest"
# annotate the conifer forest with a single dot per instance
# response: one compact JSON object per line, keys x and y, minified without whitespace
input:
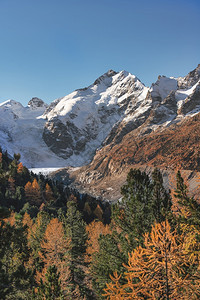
{"x":56,"y":243}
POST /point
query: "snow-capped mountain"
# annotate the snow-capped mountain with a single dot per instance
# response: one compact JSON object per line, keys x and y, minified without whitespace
{"x":78,"y":124}
{"x":71,"y":129}
{"x":21,"y":132}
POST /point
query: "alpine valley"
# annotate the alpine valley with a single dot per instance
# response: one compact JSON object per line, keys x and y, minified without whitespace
{"x":96,"y":134}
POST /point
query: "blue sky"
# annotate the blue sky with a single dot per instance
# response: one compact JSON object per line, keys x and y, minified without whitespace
{"x":48,"y":48}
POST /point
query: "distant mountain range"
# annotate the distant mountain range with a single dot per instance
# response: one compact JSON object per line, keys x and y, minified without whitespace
{"x":111,"y":125}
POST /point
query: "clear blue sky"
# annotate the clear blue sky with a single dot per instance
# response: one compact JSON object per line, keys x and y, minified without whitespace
{"x":48,"y":48}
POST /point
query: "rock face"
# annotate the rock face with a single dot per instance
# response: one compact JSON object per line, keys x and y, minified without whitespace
{"x":192,"y":102}
{"x":190,"y":80}
{"x":35,"y":102}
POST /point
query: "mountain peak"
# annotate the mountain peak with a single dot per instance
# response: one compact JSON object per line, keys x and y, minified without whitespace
{"x":10,"y":103}
{"x":104,"y":78}
{"x":190,"y":79}
{"x":111,"y":73}
{"x":36,"y":102}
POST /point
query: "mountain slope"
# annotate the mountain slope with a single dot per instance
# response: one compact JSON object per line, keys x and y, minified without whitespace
{"x":176,"y":146}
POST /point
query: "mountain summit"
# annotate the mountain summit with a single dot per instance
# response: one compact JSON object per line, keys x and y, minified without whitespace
{"x":78,"y":124}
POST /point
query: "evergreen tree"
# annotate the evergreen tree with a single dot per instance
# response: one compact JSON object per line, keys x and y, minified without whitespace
{"x":188,"y":220}
{"x":75,"y":230}
{"x":15,"y":278}
{"x":189,"y":208}
{"x":36,"y":237}
{"x":161,"y":199}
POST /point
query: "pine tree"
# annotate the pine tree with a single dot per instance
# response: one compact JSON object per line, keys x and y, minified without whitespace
{"x":188,"y":219}
{"x":189,"y":208}
{"x":28,"y":222}
{"x":133,"y":215}
{"x":94,"y":230}
{"x":15,"y":278}
{"x":36,"y":237}
{"x":161,"y":199}
{"x":17,"y":156}
{"x":75,"y":230}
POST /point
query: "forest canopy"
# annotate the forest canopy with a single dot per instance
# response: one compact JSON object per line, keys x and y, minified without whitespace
{"x":58,"y":244}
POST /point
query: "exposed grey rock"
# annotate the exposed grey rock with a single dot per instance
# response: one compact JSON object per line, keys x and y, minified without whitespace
{"x":190,"y":80}
{"x":192,"y":102}
{"x":108,"y":74}
{"x":66,"y":139}
{"x":57,"y":136}
{"x":36,"y":102}
{"x":51,"y":106}
{"x":170,"y":102}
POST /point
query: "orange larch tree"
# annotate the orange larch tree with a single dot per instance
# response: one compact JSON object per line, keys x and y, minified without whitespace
{"x":33,"y":192}
{"x":1,"y":156}
{"x":11,"y":219}
{"x":27,"y":221}
{"x":98,"y":212}
{"x":28,"y":191}
{"x":20,"y":168}
{"x":94,"y":230}
{"x":157,"y":271}
{"x":48,"y":193}
{"x":55,"y":251}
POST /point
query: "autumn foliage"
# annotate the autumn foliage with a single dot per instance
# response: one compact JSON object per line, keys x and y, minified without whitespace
{"x":20,"y":168}
{"x":55,"y":251}
{"x":33,"y":192}
{"x":48,"y":193}
{"x":148,"y":250}
{"x":157,"y":270}
{"x":94,"y":230}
